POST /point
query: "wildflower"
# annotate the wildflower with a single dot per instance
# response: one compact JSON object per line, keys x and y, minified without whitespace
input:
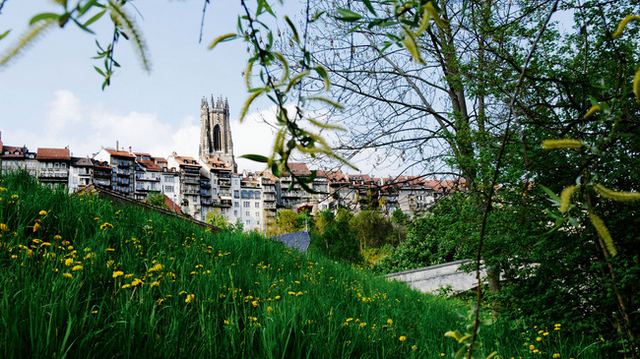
{"x":4,"y":227}
{"x":105,"y":226}
{"x":76,"y":268}
{"x":402,"y":338}
{"x":363,"y":324}
{"x":36,"y":241}
{"x":3,"y":189}
{"x":189,"y":298}
{"x":117,"y":273}
{"x":13,"y":256}
{"x":545,"y":334}
{"x":94,"y":312}
{"x":182,"y":292}
{"x":125,"y":286}
{"x":442,"y":354}
{"x":67,"y":275}
{"x":110,"y":250}
{"x":538,"y":339}
{"x":291,"y":293}
{"x":253,"y":319}
{"x":46,"y":244}
{"x":254,"y":303}
{"x":536,"y":351}
{"x":68,"y":262}
{"x":414,"y":347}
{"x":154,"y":284}
{"x":110,"y":263}
{"x":57,"y":237}
{"x":226,"y":322}
{"x":299,"y":294}
{"x":277,"y":297}
{"x":556,"y":355}
{"x":36,"y":227}
{"x":532,"y":347}
{"x":390,"y":321}
{"x":42,"y":212}
{"x":269,"y":309}
{"x":136,"y":282}
{"x":156,"y":268}
{"x":14,"y":197}
{"x":128,"y":276}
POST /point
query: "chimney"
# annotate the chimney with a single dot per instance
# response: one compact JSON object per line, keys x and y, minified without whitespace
{"x":130,"y":149}
{"x":117,"y":145}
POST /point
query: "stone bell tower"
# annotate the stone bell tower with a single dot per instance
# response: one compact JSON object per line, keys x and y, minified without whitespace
{"x":215,"y":132}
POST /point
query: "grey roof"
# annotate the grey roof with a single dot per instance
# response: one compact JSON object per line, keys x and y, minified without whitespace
{"x":296,"y":240}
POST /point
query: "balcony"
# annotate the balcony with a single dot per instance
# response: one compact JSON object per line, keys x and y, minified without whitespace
{"x":224,"y":182}
{"x":53,"y":173}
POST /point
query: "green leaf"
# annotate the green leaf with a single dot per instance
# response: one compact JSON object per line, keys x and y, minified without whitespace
{"x":348,"y":15}
{"x":296,"y":38}
{"x":99,"y":71}
{"x":550,"y":193}
{"x":256,"y":158}
{"x":322,"y":72}
{"x":367,"y":3}
{"x":4,"y":34}
{"x":247,"y":104}
{"x":411,"y":46}
{"x":327,"y":101}
{"x":44,"y":16}
{"x":95,"y":18}
{"x":222,"y":38}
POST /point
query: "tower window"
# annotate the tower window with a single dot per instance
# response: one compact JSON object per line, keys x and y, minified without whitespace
{"x":217,"y":143}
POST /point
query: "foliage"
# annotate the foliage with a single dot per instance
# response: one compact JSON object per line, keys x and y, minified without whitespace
{"x":371,"y":228}
{"x":289,"y":221}
{"x":157,"y":199}
{"x":215,"y":218}
{"x":334,"y":237}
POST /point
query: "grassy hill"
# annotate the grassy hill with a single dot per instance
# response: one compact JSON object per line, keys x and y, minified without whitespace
{"x":83,"y":277}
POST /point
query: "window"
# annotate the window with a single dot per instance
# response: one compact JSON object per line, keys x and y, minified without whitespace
{"x":235,"y":213}
{"x":247,"y":214}
{"x":247,"y":204}
{"x":168,"y":179}
{"x":256,"y":194}
{"x":257,"y":214}
{"x":236,"y":204}
{"x":236,"y":194}
{"x":168,"y":189}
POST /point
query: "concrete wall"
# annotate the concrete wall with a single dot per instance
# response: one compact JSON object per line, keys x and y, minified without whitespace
{"x":430,"y":279}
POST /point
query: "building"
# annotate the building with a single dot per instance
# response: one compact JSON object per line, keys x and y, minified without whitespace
{"x":80,"y":173}
{"x":53,"y":166}
{"x":216,"y":143}
{"x":123,"y":166}
{"x":189,"y":195}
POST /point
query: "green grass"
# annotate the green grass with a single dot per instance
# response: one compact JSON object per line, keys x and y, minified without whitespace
{"x":251,"y":297}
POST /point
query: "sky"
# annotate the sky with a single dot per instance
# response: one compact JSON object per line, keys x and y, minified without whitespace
{"x":51,"y":97}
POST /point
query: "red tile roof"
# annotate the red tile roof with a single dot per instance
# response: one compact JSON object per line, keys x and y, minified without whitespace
{"x":53,"y":154}
{"x":115,"y":153}
{"x":150,"y":165}
{"x":298,"y":169}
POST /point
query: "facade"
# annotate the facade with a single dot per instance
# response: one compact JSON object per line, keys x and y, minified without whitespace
{"x":80,"y":173}
{"x":53,"y":166}
{"x":216,"y":143}
{"x":189,"y":179}
{"x":123,"y":167}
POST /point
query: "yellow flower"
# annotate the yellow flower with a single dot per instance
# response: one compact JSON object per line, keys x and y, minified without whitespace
{"x":556,"y":355}
{"x":94,"y":311}
{"x":253,"y":319}
{"x":531,"y":347}
{"x":46,"y":244}
{"x":277,"y":297}
{"x":414,"y":347}
{"x":117,"y":273}
{"x":42,"y":212}
{"x":68,"y":262}
{"x":156,"y":268}
{"x":36,"y":241}
{"x":105,"y":226}
{"x":154,"y":284}
{"x":4,"y":227}
{"x":76,"y":268}
{"x":36,"y":227}
{"x":538,"y":339}
{"x":545,"y":334}
{"x":182,"y":292}
{"x":67,"y":275}
{"x":128,"y":276}
{"x":109,"y":250}
{"x":402,"y":338}
{"x":536,"y":350}
{"x":363,"y":324}
{"x":189,"y":298}
{"x":254,"y":303}
{"x":226,"y":322}
{"x":136,"y":282}
{"x":390,"y":321}
{"x":299,"y":294}
{"x":57,"y":237}
{"x":292,"y":293}
{"x":125,"y":286}
{"x":269,"y":309}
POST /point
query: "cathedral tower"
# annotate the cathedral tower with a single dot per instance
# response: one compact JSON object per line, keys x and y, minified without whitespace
{"x":215,"y":132}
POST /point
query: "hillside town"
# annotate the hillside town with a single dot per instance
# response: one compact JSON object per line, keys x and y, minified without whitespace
{"x":212,"y":182}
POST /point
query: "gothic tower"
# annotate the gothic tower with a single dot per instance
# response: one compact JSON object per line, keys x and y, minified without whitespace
{"x":215,"y":132}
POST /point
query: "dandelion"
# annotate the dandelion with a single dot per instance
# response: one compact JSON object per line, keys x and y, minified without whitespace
{"x":128,"y":276}
{"x":42,"y":212}
{"x":545,"y":334}
{"x":110,"y":250}
{"x":68,"y":262}
{"x":402,"y":338}
{"x":13,"y":256}
{"x":538,"y":339}
{"x":254,"y":303}
{"x":299,"y":294}
{"x":67,"y":275}
{"x":57,"y":237}
{"x":363,"y":324}
{"x":532,"y":347}
{"x":155,"y":284}
{"x":414,"y":347}
{"x":277,"y":297}
{"x":292,"y":293}
{"x":269,"y":309}
{"x":94,"y":312}
{"x":556,"y":355}
{"x":46,"y":244}
{"x":36,"y":241}
{"x":390,"y":321}
{"x":136,"y":282}
{"x":4,"y":227}
{"x":126,"y":285}
{"x":253,"y":319}
{"x":536,"y":351}
{"x":156,"y":268}
{"x":105,"y":226}
{"x":189,"y":298}
{"x":76,"y":268}
{"x":182,"y":292}
{"x":226,"y":322}
{"x":117,"y":274}
{"x":36,"y":227}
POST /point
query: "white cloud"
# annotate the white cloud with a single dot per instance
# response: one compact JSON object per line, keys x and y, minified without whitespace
{"x":86,"y":127}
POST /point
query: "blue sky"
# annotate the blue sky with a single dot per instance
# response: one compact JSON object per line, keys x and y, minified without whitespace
{"x":51,"y":96}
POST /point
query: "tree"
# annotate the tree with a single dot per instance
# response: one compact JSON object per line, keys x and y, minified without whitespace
{"x":334,"y":237}
{"x":158,"y":200}
{"x":216,"y":219}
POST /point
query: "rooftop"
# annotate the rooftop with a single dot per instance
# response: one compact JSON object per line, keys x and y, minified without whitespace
{"x":53,"y":154}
